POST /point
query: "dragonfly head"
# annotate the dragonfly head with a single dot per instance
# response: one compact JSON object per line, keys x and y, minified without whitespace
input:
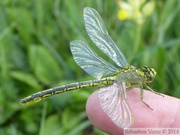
{"x":150,"y":73}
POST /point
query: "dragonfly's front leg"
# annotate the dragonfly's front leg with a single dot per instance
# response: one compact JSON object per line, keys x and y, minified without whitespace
{"x":141,"y":93}
{"x":153,"y":91}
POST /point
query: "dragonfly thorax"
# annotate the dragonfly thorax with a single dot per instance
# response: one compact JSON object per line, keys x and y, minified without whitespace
{"x":150,"y":73}
{"x":133,"y":75}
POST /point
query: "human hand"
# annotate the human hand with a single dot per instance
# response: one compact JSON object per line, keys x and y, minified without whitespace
{"x":165,"y":113}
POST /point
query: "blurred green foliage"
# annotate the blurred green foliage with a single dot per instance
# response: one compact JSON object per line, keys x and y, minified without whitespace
{"x":35,"y":55}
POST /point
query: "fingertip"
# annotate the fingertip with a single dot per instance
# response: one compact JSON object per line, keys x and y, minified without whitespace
{"x":164,"y":109}
{"x":164,"y":113}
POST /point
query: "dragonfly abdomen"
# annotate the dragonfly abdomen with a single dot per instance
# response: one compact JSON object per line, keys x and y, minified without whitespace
{"x":65,"y":88}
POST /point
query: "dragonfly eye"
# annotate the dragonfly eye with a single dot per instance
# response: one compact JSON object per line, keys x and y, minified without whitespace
{"x":152,"y":72}
{"x":149,"y":72}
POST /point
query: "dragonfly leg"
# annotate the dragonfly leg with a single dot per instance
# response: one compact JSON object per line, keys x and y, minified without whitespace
{"x":153,"y":91}
{"x":132,"y":86}
{"x":129,"y":88}
{"x":141,"y":97}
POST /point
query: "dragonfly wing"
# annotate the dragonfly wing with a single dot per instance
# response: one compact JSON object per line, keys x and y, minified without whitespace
{"x":89,"y":61}
{"x":99,"y":35}
{"x":114,"y":103}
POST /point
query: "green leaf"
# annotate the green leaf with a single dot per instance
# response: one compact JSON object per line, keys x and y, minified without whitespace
{"x":79,"y":128}
{"x":25,"y":24}
{"x":71,"y":118}
{"x":159,"y":62}
{"x":44,"y":65}
{"x":52,"y":126}
{"x":26,"y":78}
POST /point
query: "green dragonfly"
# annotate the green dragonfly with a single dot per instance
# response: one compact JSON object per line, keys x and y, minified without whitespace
{"x":115,"y":81}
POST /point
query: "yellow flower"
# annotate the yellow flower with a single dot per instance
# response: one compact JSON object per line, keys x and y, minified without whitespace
{"x":122,"y":15}
{"x":135,"y":10}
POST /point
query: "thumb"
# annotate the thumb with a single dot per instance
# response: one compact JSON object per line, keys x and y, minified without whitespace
{"x":164,"y":114}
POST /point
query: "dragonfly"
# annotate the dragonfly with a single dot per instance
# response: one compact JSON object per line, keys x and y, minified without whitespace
{"x":114,"y":81}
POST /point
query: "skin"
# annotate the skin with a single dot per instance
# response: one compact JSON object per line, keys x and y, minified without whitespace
{"x":165,"y":113}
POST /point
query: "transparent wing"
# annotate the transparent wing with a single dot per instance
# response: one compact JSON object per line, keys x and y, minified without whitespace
{"x":114,"y":103}
{"x":99,"y":35}
{"x":90,"y":61}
